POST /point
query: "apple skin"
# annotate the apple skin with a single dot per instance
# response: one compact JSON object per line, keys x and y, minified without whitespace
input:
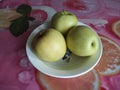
{"x":50,"y":46}
{"x":63,"y":21}
{"x":82,"y":41}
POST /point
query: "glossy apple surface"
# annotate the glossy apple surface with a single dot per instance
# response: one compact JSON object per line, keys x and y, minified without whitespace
{"x":50,"y":45}
{"x":82,"y":41}
{"x":63,"y":21}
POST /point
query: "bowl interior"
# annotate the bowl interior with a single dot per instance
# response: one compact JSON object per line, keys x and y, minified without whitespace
{"x":71,"y":67}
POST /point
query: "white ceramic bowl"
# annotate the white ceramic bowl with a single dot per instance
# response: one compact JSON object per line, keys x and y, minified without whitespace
{"x":63,"y":68}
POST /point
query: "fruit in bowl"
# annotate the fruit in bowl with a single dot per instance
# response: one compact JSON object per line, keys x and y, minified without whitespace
{"x":63,"y":21}
{"x":49,"y":48}
{"x":50,"y":45}
{"x":61,"y":68}
{"x":82,"y":41}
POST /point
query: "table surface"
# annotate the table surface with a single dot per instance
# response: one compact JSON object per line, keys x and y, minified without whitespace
{"x":17,"y":73}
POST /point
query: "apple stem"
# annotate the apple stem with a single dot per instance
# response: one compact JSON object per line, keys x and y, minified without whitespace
{"x":63,"y":11}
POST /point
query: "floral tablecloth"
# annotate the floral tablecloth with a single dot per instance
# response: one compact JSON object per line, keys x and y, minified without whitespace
{"x":17,"y":73}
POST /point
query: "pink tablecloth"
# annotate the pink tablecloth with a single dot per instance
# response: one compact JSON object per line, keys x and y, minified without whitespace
{"x":17,"y":73}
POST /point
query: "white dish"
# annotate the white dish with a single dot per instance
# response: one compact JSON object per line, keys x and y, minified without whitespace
{"x":62,"y":69}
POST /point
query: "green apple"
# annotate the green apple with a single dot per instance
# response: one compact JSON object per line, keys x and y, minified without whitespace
{"x":63,"y":21}
{"x":50,"y":45}
{"x":82,"y":41}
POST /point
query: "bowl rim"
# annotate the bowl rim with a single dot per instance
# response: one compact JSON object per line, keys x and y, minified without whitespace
{"x":36,"y":63}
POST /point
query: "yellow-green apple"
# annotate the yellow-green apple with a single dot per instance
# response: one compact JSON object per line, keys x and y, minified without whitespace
{"x":63,"y":21}
{"x":82,"y":41}
{"x":50,"y":45}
